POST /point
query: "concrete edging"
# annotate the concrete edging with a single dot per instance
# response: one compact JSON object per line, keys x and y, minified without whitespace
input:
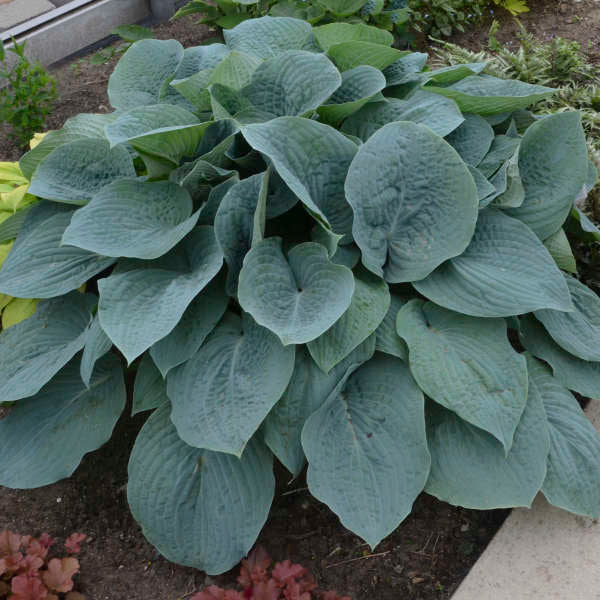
{"x":74,"y":31}
{"x":539,"y":553}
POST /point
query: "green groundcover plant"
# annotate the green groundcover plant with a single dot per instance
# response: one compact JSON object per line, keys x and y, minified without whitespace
{"x":311,"y":247}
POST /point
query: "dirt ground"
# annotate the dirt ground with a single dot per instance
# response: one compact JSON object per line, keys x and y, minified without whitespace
{"x":425,"y":559}
{"x":572,"y":19}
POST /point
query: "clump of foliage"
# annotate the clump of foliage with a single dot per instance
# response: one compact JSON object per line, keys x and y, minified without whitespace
{"x":311,"y":247}
{"x":27,"y":95}
{"x":559,"y":63}
{"x":428,"y":16}
{"x":226,"y":14}
{"x":259,"y":581}
{"x":28,"y":572}
{"x":15,"y":202}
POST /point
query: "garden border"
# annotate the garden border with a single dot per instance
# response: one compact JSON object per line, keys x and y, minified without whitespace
{"x":542,"y":552}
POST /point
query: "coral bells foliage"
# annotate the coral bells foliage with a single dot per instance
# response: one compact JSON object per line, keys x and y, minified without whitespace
{"x":311,"y":247}
{"x":27,"y":572}
{"x":285,"y":581}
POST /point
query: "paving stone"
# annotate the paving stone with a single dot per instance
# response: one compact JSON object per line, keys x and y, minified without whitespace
{"x":18,"y":11}
{"x":540,"y":553}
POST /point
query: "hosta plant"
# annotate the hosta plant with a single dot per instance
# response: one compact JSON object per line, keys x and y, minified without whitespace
{"x":15,"y":202}
{"x":310,"y":247}
{"x":387,"y":14}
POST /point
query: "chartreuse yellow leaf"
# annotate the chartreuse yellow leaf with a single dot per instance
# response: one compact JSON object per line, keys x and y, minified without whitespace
{"x":10,"y":171}
{"x":17,"y":310}
{"x":36,"y":139}
{"x":16,"y":198}
{"x":4,"y":300}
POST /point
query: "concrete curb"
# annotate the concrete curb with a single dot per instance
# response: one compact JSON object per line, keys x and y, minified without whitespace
{"x":539,"y":553}
{"x":71,"y":32}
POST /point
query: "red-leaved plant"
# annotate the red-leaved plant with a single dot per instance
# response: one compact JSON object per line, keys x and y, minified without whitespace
{"x":286,"y":581}
{"x":27,"y":572}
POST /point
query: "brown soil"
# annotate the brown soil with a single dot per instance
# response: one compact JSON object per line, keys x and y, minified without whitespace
{"x":425,"y":559}
{"x":81,"y":83}
{"x":572,"y":19}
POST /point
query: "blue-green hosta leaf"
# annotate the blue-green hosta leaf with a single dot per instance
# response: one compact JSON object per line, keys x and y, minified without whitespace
{"x":268,"y":36}
{"x":369,"y":305}
{"x":144,"y":72}
{"x":198,"y":320}
{"x":188,"y":508}
{"x":97,"y":344}
{"x":573,"y":476}
{"x":366,"y":448}
{"x":348,"y":55}
{"x":553,"y":168}
{"x":439,"y":114}
{"x":503,"y":147}
{"x":309,"y":387}
{"x":44,"y":438}
{"x":336,"y":33}
{"x":342,"y":8}
{"x":453,"y":73}
{"x":137,"y":219}
{"x":491,"y":279}
{"x":234,"y":225}
{"x":386,"y":335}
{"x":154,"y":294}
{"x":358,"y":86}
{"x":313,"y":160}
{"x":574,"y":373}
{"x":142,"y":120}
{"x":73,"y":173}
{"x":484,"y":188}
{"x":80,"y":127}
{"x":283,"y":294}
{"x":35,"y":349}
{"x":38,"y":266}
{"x":470,"y":468}
{"x":560,"y":250}
{"x":149,"y":389}
{"x":577,"y":331}
{"x":412,"y":210}
{"x":223,"y":393}
{"x":292,"y":83}
{"x":472,"y":139}
{"x":485,"y":95}
{"x":236,"y":70}
{"x":10,"y":227}
{"x":467,"y":365}
{"x":513,"y":195}
{"x":194,"y":89}
{"x":227,"y":103}
{"x":198,"y":58}
{"x":209,"y":211}
{"x":405,"y":69}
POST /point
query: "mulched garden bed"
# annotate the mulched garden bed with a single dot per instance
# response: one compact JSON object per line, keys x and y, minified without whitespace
{"x":425,"y":559}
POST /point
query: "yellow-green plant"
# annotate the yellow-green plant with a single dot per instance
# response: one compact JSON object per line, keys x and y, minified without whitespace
{"x":14,"y":205}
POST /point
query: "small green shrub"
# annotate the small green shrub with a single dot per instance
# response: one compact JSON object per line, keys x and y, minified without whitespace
{"x":27,"y":98}
{"x":311,"y":247}
{"x":438,"y":17}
